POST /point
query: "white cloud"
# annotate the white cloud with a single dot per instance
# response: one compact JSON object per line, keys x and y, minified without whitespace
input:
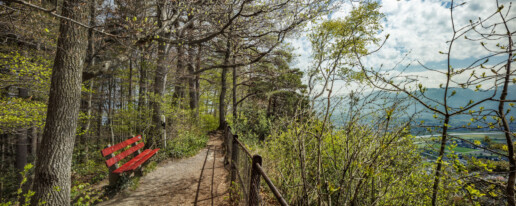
{"x":422,"y":27}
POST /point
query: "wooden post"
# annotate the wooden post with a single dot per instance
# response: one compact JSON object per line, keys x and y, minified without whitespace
{"x":138,"y":171}
{"x":227,"y":144}
{"x":234,"y":161}
{"x":113,"y":178}
{"x":254,"y":191}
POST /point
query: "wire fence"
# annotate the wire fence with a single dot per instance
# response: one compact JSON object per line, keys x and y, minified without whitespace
{"x":246,"y":172}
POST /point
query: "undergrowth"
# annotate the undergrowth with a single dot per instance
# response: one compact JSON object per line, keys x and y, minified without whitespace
{"x":187,"y":144}
{"x":149,"y":168}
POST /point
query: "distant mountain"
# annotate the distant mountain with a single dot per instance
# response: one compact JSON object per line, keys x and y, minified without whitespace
{"x":461,"y":98}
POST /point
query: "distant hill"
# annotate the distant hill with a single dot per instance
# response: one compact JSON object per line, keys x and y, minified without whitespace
{"x":461,"y":98}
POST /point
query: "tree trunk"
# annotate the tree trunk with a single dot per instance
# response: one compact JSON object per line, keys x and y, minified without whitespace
{"x":130,"y":99}
{"x":21,"y":160}
{"x":2,"y":160}
{"x":90,"y":62}
{"x":111,"y":87}
{"x":437,"y":178}
{"x":506,"y":128}
{"x":215,"y":105}
{"x":22,"y":144}
{"x":179,"y":85}
{"x":52,"y":182}
{"x":191,"y":80}
{"x":21,"y":151}
{"x":2,"y":144}
{"x":235,"y":112}
{"x":160,"y":80}
{"x":197,"y":78}
{"x":21,"y":140}
{"x":159,"y":92}
{"x":33,"y":132}
{"x":87,"y":126}
{"x":223,"y":85}
{"x":99,"y":115}
{"x":179,"y":92}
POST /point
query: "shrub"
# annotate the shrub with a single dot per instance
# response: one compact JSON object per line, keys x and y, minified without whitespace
{"x":208,"y":122}
{"x":186,"y":144}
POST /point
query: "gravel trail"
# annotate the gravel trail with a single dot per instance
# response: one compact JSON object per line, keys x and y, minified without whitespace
{"x":176,"y":182}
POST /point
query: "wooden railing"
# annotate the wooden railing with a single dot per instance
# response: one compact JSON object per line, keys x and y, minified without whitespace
{"x":247,"y":170}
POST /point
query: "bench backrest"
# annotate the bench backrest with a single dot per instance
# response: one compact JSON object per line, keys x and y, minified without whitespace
{"x":110,"y":150}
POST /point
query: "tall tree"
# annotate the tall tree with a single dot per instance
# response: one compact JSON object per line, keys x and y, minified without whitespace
{"x":160,"y":78}
{"x":502,"y":113}
{"x":53,"y":168}
{"x":442,"y":107}
{"x":223,"y":84}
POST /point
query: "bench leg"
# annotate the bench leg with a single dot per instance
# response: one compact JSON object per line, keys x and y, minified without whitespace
{"x":113,"y":177}
{"x":138,"y":172}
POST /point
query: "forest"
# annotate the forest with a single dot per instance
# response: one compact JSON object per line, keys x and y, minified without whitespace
{"x":324,"y":90}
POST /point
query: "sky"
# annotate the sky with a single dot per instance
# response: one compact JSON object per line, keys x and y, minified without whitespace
{"x":420,"y":29}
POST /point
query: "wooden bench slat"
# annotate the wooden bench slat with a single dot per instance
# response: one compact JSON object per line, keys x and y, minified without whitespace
{"x":124,"y":154}
{"x":142,"y":160}
{"x":120,"y":145}
{"x":128,"y":164}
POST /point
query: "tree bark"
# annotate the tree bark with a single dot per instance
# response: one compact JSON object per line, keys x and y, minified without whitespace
{"x":130,"y":98}
{"x":111,"y":88}
{"x":191,"y":80}
{"x":2,"y":160}
{"x":503,"y":120}
{"x":437,"y":179}
{"x":21,"y":159}
{"x":160,"y":80}
{"x":90,"y":62}
{"x":21,"y":141}
{"x":21,"y":151}
{"x":87,"y":125}
{"x":142,"y":93}
{"x":197,"y":83}
{"x":235,"y":102}
{"x":223,"y":85}
{"x":22,"y":144}
{"x":179,"y":92}
{"x":52,"y":182}
{"x":33,"y":132}
{"x":99,"y":114}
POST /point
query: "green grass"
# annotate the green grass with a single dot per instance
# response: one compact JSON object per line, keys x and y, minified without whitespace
{"x":463,"y":149}
{"x":456,"y":149}
{"x":495,"y":137}
{"x":470,"y":136}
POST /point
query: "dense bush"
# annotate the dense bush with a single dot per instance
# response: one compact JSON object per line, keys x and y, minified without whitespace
{"x":186,"y":144}
{"x":209,"y":122}
{"x":342,"y":167}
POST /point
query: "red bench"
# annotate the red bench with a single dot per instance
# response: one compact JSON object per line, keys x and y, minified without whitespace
{"x":133,"y":164}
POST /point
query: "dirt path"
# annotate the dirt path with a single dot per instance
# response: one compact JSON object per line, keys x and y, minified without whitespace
{"x":176,"y":182}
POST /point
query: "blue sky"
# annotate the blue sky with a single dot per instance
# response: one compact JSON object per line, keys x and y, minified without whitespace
{"x":422,"y":28}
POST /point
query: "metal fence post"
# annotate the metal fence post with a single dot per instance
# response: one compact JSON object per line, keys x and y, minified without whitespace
{"x":254,"y":191}
{"x":234,"y":161}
